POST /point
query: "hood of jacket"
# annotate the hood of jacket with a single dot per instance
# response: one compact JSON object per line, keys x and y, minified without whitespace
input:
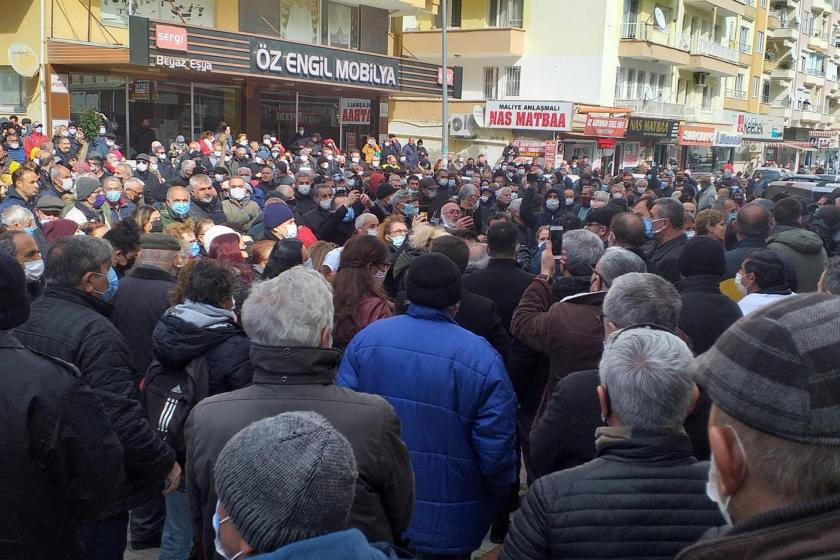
{"x":799,"y":239}
{"x":190,"y":330}
{"x":345,"y":545}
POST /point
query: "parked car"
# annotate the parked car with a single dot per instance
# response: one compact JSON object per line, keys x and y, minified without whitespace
{"x":811,"y":187}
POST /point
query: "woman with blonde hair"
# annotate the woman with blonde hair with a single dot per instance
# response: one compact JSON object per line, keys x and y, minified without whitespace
{"x":710,"y":222}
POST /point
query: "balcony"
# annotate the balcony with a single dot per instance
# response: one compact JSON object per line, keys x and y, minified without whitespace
{"x":725,"y":8}
{"x":651,"y":108}
{"x":735,"y":94}
{"x":788,"y":32}
{"x":835,"y":4}
{"x":774,"y":19}
{"x":818,"y":41}
{"x":489,"y":42}
{"x":814,"y":77}
{"x":780,"y":108}
{"x":820,"y":5}
{"x":642,"y":41}
{"x":712,"y":58}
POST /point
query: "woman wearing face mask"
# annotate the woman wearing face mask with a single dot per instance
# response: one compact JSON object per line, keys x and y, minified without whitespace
{"x":359,"y":298}
{"x":710,"y":222}
{"x":147,"y":219}
{"x":762,"y":280}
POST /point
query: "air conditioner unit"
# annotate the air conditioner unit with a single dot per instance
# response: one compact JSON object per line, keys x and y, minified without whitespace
{"x":461,"y":125}
{"x":700,"y":79}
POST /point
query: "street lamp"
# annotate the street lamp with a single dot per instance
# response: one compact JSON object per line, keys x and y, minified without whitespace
{"x":444,"y":118}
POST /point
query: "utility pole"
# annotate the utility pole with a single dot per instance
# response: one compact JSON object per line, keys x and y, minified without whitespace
{"x":444,"y":117}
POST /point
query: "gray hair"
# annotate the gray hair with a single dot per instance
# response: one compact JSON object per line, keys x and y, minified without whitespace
{"x":275,"y":315}
{"x":199,"y":180}
{"x":602,"y":196}
{"x":111,"y":179}
{"x":787,"y":468}
{"x":400,"y":197}
{"x":467,"y":191}
{"x":515,"y":205}
{"x":55,"y":171}
{"x":16,"y":216}
{"x":646,"y":374}
{"x":671,"y":208}
{"x":362,"y":219}
{"x":583,"y":250}
{"x":70,"y":258}
{"x":636,"y":298}
{"x":125,"y":168}
{"x":187,"y":165}
{"x":134,"y":181}
{"x":617,"y":262}
{"x":504,"y":190}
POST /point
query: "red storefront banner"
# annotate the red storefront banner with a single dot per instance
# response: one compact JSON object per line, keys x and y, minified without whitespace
{"x":696,"y":135}
{"x":550,"y":154}
{"x":605,"y":127}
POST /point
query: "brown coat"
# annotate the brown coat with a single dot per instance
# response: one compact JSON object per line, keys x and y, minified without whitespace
{"x":568,"y":332}
{"x":804,"y":530}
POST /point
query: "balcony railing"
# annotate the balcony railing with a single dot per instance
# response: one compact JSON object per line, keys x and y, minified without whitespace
{"x":765,"y":98}
{"x":835,"y":4}
{"x":652,"y":107}
{"x":788,"y":24}
{"x":815,"y":72}
{"x":747,"y":2}
{"x":784,"y":104}
{"x":820,"y":35}
{"x":806,"y":107}
{"x":707,"y":47}
{"x":745,"y":48}
{"x":647,"y":32}
{"x":778,"y":13}
{"x":701,"y":114}
{"x":736,"y":94}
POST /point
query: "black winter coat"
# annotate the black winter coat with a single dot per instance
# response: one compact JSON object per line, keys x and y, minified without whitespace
{"x":142,"y":298}
{"x":478,"y":315}
{"x":212,"y":210}
{"x":562,"y":437}
{"x":176,"y":342}
{"x":706,"y":312}
{"x":643,"y":497}
{"x":504,"y":282}
{"x":72,"y":326}
{"x":62,"y":461}
{"x":666,"y":258}
{"x":297,"y":378}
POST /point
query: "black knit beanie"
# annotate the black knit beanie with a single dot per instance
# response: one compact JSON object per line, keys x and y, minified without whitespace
{"x":433,"y":281}
{"x":702,"y":255}
{"x":14,"y":301}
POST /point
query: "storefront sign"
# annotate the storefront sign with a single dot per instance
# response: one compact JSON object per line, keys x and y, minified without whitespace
{"x":823,"y":142}
{"x":355,"y":111}
{"x":450,"y":76}
{"x":696,"y":135}
{"x":642,"y":127}
{"x":326,"y":65}
{"x":756,"y":127}
{"x":550,"y":154}
{"x":141,"y":90}
{"x":531,"y":148}
{"x":383,"y":109}
{"x":171,"y":37}
{"x":605,"y":127}
{"x":534,"y":115}
{"x":728,"y":139}
{"x":175,"y":63}
{"x":606,"y":143}
{"x":58,"y":83}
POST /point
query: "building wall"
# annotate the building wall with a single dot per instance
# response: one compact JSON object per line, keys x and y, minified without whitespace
{"x":21,"y":25}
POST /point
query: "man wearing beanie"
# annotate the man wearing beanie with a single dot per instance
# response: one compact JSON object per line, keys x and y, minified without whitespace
{"x":456,"y":403}
{"x":285,"y":490}
{"x":774,"y":431}
{"x":62,"y":462}
{"x":706,"y":312}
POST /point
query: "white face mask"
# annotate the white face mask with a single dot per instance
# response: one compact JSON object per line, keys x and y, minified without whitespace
{"x":109,"y":143}
{"x":219,"y":178}
{"x":217,"y":153}
{"x":142,"y":166}
{"x":712,"y":485}
{"x":372,"y":232}
{"x":569,"y":201}
{"x":291,"y":231}
{"x":741,"y":288}
{"x":67,"y":184}
{"x":34,"y":270}
{"x":237,"y":193}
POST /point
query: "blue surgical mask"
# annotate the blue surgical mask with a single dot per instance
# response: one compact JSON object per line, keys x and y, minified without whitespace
{"x":195,"y":248}
{"x":29,"y":230}
{"x":648,"y":227}
{"x":113,"y":283}
{"x":180,"y":208}
{"x":398,"y":240}
{"x":350,"y":215}
{"x":451,"y":182}
{"x":218,"y":540}
{"x":325,"y":204}
{"x":409,"y":210}
{"x":552,"y":204}
{"x":113,"y":196}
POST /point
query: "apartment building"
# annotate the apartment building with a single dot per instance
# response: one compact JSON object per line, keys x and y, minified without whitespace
{"x":261,"y":65}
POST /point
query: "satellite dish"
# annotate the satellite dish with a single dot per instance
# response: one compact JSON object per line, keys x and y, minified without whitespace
{"x":659,"y":18}
{"x":23,"y":60}
{"x":478,"y":115}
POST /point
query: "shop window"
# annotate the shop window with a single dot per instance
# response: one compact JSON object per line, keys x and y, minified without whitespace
{"x":12,"y":90}
{"x":491,"y":82}
{"x":512,"y":78}
{"x":340,"y":25}
{"x":295,"y":20}
{"x":195,"y":12}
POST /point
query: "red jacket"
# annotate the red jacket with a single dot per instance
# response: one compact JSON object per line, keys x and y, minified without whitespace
{"x":34,"y":140}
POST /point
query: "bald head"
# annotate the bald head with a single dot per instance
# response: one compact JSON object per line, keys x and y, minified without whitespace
{"x":175,"y":194}
{"x":752,"y":222}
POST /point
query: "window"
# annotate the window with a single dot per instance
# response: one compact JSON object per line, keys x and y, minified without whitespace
{"x":641,"y":90}
{"x":744,"y":40}
{"x":491,"y":82}
{"x":259,"y":16}
{"x":505,"y":13}
{"x":759,"y":42}
{"x":340,"y":25}
{"x":739,"y":83}
{"x":756,"y":85}
{"x":295,"y":21}
{"x":12,"y":92}
{"x":454,"y":7}
{"x":763,"y":3}
{"x":631,"y":84}
{"x":765,"y":91}
{"x":512,"y":75}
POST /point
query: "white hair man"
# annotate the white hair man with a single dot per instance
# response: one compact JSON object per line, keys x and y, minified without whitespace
{"x":645,"y":491}
{"x":366,"y":224}
{"x":18,"y":218}
{"x":294,"y":368}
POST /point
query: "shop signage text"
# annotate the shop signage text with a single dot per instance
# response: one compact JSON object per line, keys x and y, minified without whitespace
{"x":450,"y":76}
{"x":641,"y":127}
{"x":728,"y":139}
{"x":758,"y":127}
{"x":174,"y":63}
{"x":171,"y":37}
{"x":605,"y":127}
{"x":355,"y":111}
{"x":536,"y":115}
{"x":302,"y":61}
{"x":696,"y":135}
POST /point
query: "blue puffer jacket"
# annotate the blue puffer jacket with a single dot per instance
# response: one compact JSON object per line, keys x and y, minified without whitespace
{"x":457,"y":408}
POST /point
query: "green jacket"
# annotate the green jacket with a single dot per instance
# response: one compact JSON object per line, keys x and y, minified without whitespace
{"x":805,"y":250}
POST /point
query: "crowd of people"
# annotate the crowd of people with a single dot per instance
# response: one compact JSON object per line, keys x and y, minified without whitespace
{"x":237,"y":348}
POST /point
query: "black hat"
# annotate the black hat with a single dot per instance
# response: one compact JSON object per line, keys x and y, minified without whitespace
{"x":428,"y":183}
{"x":384,"y":189}
{"x":160,"y":242}
{"x":702,"y":255}
{"x":111,"y":136}
{"x":602,"y":216}
{"x":281,"y":166}
{"x":50,"y":203}
{"x":220,"y":170}
{"x":85,"y":186}
{"x":433,"y":281}
{"x":142,"y":157}
{"x":14,"y":301}
{"x":97,"y":159}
